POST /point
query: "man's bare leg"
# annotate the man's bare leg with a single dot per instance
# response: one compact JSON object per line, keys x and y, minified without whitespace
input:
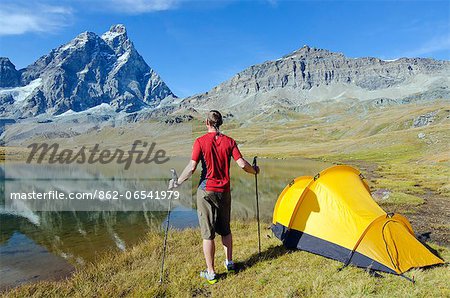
{"x":209,"y":249}
{"x":227,"y":242}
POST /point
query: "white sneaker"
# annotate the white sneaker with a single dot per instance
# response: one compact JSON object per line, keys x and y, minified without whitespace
{"x":210,"y":278}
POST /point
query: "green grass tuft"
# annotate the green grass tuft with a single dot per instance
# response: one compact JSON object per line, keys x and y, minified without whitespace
{"x":276,"y":273}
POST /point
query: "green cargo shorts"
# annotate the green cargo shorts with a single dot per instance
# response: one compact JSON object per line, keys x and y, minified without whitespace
{"x":213,"y":210}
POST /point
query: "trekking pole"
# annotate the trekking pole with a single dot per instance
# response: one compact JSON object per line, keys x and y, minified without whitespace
{"x":257,"y":206}
{"x":161,"y":278}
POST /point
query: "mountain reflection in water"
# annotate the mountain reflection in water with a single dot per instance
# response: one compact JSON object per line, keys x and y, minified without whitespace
{"x":60,"y":241}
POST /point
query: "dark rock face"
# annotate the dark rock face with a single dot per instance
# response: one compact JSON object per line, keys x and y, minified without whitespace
{"x":9,"y":76}
{"x":424,"y":120}
{"x":90,"y":70}
{"x":179,"y":119}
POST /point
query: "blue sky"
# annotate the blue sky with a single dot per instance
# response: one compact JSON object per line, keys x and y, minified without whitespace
{"x":195,"y":45}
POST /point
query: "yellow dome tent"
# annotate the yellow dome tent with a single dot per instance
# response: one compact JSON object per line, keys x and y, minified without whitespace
{"x":334,"y":215}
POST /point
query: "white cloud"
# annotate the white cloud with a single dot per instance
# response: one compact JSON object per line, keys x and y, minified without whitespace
{"x":142,"y":6}
{"x":21,"y":17}
{"x":437,"y":44}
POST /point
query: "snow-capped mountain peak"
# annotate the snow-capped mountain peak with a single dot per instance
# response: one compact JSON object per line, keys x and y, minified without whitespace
{"x":117,"y":39}
{"x":78,"y":41}
{"x":86,"y":72}
{"x":115,"y":31}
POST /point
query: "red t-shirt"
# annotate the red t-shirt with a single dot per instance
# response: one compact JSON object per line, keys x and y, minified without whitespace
{"x":215,"y":151}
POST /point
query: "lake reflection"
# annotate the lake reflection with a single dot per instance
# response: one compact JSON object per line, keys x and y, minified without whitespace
{"x":74,"y":238}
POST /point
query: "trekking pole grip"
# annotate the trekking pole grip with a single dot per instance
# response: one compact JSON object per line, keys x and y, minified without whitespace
{"x":174,"y":175}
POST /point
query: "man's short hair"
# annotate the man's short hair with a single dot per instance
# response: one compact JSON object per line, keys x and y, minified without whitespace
{"x":215,"y":119}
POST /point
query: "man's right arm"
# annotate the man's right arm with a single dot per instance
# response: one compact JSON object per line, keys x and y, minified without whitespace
{"x":190,"y":168}
{"x":246,"y":166}
{"x":187,"y":172}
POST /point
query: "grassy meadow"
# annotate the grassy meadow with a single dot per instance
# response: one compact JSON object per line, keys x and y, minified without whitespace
{"x":275,"y":273}
{"x":408,"y":171}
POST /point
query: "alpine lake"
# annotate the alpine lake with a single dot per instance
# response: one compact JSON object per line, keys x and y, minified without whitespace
{"x":49,"y":245}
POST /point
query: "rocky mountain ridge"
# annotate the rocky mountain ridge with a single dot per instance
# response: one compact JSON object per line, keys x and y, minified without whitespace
{"x":311,"y":75}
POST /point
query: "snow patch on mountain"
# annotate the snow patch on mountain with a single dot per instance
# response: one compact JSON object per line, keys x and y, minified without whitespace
{"x":121,"y":61}
{"x":19,"y":94}
{"x":77,"y":42}
{"x":101,"y":109}
{"x":110,"y":35}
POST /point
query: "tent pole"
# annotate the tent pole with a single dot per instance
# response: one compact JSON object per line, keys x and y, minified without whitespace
{"x":407,"y":278}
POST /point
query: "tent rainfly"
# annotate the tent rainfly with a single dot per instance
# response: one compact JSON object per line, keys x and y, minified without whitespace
{"x":334,"y":215}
